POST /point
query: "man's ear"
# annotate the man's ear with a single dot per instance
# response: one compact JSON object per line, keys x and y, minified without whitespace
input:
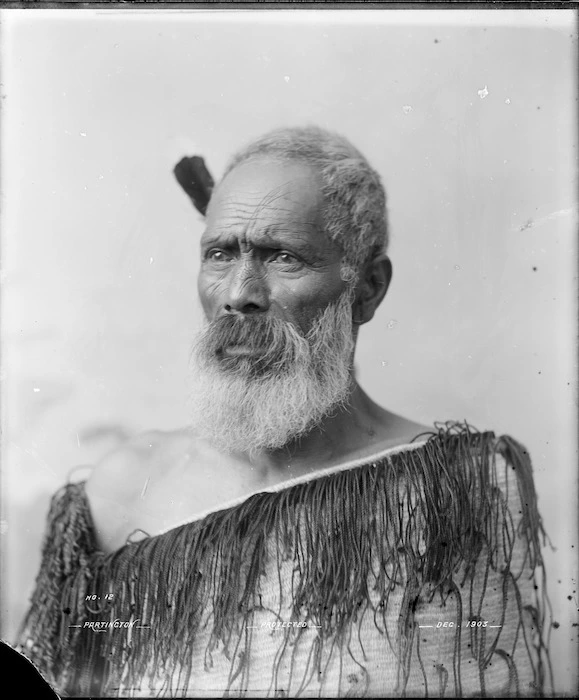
{"x":371,"y":288}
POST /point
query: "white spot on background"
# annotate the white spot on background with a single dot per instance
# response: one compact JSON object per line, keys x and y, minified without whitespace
{"x":507,"y":101}
{"x":36,"y":390}
{"x":483,"y":93}
{"x":407,"y":109}
{"x":559,"y":214}
{"x":286,"y":78}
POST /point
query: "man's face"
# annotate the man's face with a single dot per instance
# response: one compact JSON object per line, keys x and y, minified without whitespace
{"x":264,"y":251}
{"x":275,"y":357}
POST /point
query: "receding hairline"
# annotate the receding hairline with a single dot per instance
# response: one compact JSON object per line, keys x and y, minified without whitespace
{"x":309,"y":171}
{"x":275,"y":158}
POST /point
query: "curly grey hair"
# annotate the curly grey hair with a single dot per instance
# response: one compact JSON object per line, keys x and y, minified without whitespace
{"x":354,"y":210}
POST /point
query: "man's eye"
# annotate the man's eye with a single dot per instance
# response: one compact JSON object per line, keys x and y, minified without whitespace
{"x":285,"y":259}
{"x":218,"y":256}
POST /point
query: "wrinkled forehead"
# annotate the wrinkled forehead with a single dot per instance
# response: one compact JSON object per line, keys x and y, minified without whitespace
{"x":262,"y":193}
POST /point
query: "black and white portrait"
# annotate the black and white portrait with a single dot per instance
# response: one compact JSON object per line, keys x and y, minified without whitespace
{"x":288,"y":351}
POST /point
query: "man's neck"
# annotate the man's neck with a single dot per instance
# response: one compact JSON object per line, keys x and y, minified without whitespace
{"x":354,"y":430}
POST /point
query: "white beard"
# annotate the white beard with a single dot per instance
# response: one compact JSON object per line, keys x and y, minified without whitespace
{"x":305,"y":378}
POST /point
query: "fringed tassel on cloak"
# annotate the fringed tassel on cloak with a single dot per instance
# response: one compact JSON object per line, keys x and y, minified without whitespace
{"x":417,"y":521}
{"x":68,"y":554}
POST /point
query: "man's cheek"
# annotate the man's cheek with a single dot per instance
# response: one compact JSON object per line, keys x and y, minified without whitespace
{"x":307,"y":317}
{"x":211,"y":294}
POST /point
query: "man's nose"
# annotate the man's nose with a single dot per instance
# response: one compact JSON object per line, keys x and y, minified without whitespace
{"x":248,"y":291}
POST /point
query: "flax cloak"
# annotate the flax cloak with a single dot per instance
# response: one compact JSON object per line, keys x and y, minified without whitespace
{"x":415,"y":573}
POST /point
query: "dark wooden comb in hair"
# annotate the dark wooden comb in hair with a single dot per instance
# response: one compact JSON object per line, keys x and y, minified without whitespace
{"x":193,"y":176}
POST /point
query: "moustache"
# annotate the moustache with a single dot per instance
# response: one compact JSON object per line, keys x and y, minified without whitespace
{"x":253,"y":343}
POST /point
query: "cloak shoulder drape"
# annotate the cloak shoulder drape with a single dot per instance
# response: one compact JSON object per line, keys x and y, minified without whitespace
{"x":415,"y":573}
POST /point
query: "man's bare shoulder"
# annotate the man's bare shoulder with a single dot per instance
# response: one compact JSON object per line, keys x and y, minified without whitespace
{"x":134,"y":486}
{"x":124,"y":469}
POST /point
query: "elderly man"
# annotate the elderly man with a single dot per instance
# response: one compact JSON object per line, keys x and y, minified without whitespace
{"x":297,"y":539}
